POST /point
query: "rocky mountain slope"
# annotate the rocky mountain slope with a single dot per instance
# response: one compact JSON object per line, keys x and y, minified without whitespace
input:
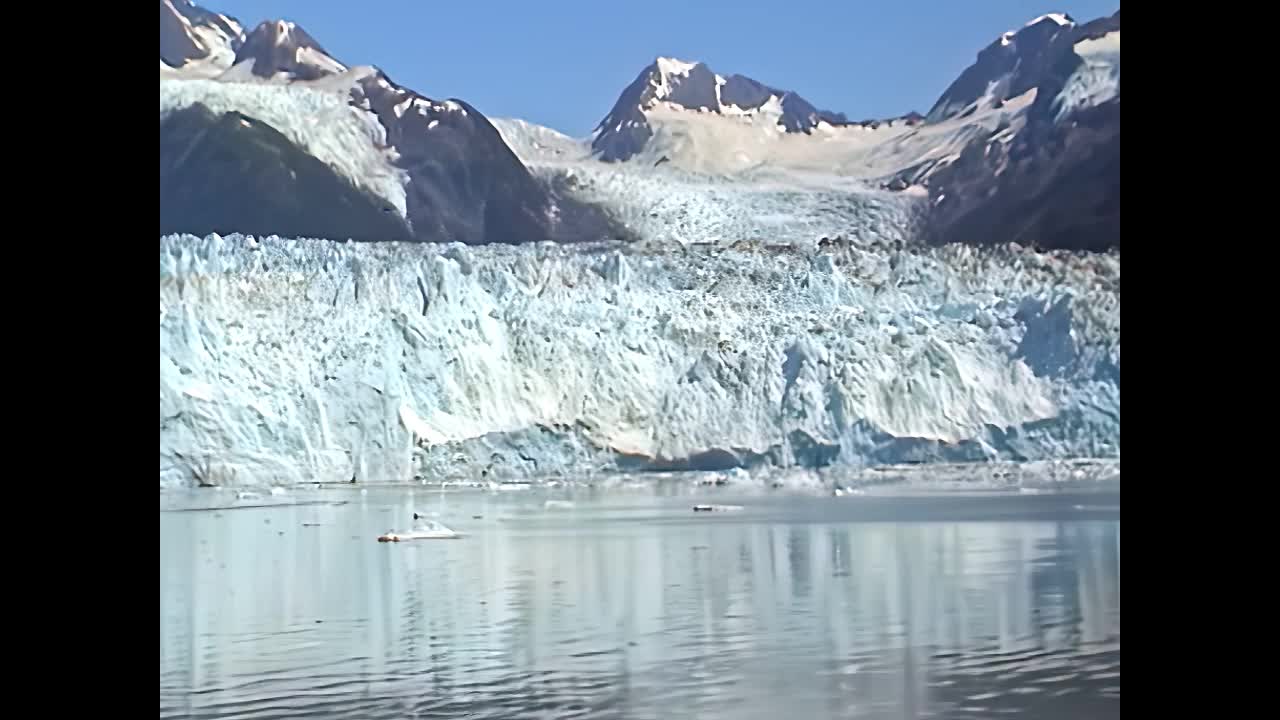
{"x":1050,"y":177}
{"x":1015,"y":63}
{"x":191,"y":36}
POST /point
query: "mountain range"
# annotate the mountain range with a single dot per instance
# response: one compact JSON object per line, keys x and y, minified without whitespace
{"x":265,"y":132}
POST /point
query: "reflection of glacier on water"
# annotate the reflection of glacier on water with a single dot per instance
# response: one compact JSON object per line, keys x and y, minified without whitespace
{"x":644,"y":615}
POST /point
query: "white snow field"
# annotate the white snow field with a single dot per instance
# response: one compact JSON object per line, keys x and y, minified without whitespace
{"x":284,"y":361}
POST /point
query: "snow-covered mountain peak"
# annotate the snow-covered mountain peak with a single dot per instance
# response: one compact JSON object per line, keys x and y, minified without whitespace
{"x":281,"y":46}
{"x":673,"y":85}
{"x":1010,"y":66}
{"x":1059,"y":19}
{"x":191,"y":35}
{"x":665,"y":76}
{"x":672,"y":66}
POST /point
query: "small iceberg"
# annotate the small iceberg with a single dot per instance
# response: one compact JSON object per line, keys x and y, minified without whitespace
{"x":508,"y":486}
{"x":423,"y":529}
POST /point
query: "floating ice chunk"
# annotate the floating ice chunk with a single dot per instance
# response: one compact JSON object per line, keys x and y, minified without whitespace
{"x":430,"y":530}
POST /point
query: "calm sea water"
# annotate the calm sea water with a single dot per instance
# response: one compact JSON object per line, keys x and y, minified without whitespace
{"x":952,"y":606}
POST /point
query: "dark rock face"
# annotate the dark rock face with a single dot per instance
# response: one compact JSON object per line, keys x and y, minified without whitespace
{"x":177,"y":45}
{"x":744,"y":92}
{"x":798,"y":114}
{"x":465,"y":184}
{"x":696,"y":91}
{"x":1052,"y":183}
{"x":1058,"y":188}
{"x":230,"y":173}
{"x":625,"y":130}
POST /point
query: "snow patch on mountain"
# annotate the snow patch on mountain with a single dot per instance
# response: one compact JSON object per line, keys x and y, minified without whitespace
{"x":1097,"y":79}
{"x":668,"y":70}
{"x":1056,"y":18}
{"x":539,"y":145}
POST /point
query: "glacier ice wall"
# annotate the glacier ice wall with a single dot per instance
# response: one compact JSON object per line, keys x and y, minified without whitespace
{"x":302,"y":360}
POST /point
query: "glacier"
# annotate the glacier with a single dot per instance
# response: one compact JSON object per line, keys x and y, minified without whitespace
{"x":722,"y":333}
{"x":297,"y":360}
{"x":778,"y":202}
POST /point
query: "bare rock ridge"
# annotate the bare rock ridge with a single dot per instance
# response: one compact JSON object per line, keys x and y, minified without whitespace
{"x":192,"y":34}
{"x":460,"y":182}
{"x":694,"y":86}
{"x":282,"y":47}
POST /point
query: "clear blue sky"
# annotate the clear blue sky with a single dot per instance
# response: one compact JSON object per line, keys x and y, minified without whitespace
{"x":562,"y":63}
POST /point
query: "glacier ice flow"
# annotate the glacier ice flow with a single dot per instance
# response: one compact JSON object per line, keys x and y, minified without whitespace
{"x":284,"y":361}
{"x":780,"y":202}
